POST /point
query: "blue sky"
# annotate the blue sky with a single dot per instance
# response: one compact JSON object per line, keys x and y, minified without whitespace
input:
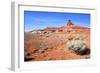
{"x":40,"y":20}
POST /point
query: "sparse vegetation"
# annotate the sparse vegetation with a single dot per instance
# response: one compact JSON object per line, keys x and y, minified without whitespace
{"x":77,"y":46}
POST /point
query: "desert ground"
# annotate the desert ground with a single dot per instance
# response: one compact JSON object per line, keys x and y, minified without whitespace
{"x":57,"y":43}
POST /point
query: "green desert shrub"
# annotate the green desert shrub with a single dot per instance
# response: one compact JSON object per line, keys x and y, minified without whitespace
{"x":77,"y":46}
{"x":70,"y":44}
